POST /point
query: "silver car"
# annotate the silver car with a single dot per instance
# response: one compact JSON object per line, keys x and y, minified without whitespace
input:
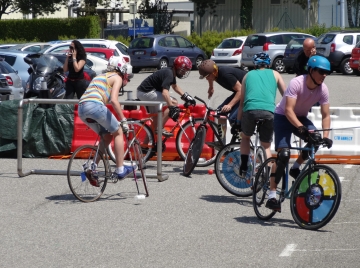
{"x":273,"y":43}
{"x":15,"y":59}
{"x":13,"y":80}
{"x":5,"y":91}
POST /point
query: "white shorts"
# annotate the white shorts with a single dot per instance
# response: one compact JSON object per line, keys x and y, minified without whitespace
{"x":153,"y":95}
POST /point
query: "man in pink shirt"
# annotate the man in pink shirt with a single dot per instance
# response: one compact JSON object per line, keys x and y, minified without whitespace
{"x":291,"y":117}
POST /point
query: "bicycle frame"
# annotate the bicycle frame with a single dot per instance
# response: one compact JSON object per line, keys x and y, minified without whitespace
{"x":285,"y":193}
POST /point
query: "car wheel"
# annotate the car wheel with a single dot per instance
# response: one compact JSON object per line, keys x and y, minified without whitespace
{"x":163,"y":63}
{"x":135,"y":70}
{"x":198,"y":61}
{"x":278,"y":65}
{"x":345,"y":67}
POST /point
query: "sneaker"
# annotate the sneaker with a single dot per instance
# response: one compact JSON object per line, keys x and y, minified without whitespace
{"x":294,"y":172}
{"x":166,"y":133}
{"x":216,"y":145}
{"x":243,"y":174}
{"x":273,"y":204}
{"x":93,"y":177}
{"x":127,"y":170}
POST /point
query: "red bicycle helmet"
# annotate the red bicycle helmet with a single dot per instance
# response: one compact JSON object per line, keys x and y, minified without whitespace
{"x":182,"y":66}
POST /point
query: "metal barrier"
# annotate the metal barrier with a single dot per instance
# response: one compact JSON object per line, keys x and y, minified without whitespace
{"x":21,"y":173}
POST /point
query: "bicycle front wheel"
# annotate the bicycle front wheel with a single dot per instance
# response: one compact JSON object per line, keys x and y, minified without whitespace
{"x":79,"y":174}
{"x":144,"y":135}
{"x":261,"y":189}
{"x":194,"y":152}
{"x":315,"y":197}
{"x":138,"y":158}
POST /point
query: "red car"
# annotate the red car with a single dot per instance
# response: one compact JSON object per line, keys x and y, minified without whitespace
{"x":104,"y":53}
{"x":355,"y":57}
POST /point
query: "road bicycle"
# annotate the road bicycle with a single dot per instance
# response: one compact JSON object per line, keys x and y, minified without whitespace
{"x":82,"y":166}
{"x":228,"y":162}
{"x":143,"y":133}
{"x":314,"y":196}
{"x":196,"y":146}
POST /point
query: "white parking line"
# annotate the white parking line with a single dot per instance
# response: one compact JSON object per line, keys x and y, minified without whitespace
{"x":348,"y":166}
{"x":288,"y":250}
{"x":342,"y":179}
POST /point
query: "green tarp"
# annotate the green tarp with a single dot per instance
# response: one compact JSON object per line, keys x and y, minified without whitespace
{"x":46,"y":132}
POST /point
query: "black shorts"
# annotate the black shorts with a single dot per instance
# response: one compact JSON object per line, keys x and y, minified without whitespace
{"x":248,"y":123}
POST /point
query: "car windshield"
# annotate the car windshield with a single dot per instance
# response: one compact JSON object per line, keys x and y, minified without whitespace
{"x":255,"y":40}
{"x":326,"y":39}
{"x":122,"y":48}
{"x":295,"y":43}
{"x":5,"y":68}
{"x":143,"y":42}
{"x":230,"y":43}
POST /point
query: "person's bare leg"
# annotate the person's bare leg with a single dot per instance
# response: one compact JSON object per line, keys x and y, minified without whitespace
{"x":119,"y":147}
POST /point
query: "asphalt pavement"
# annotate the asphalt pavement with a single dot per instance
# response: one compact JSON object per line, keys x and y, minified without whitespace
{"x":185,"y":222}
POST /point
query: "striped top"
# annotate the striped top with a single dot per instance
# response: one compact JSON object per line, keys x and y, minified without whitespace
{"x":98,"y":90}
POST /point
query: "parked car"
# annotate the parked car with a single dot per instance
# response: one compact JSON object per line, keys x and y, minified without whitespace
{"x":5,"y":91}
{"x":229,"y":51}
{"x":354,"y":59}
{"x":272,"y":43}
{"x":6,"y":46}
{"x":337,"y":46}
{"x":160,"y":51}
{"x":63,"y":46}
{"x":90,"y":74}
{"x":15,"y":59}
{"x":31,"y":47}
{"x":292,"y":49}
{"x":13,"y":80}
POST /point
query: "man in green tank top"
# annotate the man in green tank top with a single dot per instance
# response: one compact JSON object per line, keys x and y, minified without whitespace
{"x":257,"y":101}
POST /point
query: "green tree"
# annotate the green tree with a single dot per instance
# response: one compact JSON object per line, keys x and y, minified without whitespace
{"x":159,"y":13}
{"x":246,"y":14}
{"x":39,"y":7}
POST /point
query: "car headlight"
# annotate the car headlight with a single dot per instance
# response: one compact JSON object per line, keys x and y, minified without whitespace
{"x":37,"y":83}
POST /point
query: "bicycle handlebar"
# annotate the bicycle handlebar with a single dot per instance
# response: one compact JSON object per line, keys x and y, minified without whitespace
{"x":206,"y":106}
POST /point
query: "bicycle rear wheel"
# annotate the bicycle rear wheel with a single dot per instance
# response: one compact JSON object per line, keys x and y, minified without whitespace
{"x":261,"y":190}
{"x":315,"y":197}
{"x":145,"y":137}
{"x":79,"y":170}
{"x":194,"y":152}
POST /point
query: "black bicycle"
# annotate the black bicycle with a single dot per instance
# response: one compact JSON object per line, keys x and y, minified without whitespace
{"x":196,"y":146}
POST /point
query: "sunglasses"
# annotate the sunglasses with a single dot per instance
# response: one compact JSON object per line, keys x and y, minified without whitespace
{"x":71,"y":47}
{"x":323,"y":72}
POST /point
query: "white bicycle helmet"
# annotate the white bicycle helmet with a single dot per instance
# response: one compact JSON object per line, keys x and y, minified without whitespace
{"x":119,"y":64}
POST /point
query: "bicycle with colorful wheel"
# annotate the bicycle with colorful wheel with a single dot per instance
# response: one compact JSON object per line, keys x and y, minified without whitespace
{"x":228,"y":162}
{"x":315,"y":194}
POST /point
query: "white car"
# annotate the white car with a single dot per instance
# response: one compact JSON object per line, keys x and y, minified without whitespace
{"x":229,"y":51}
{"x":63,"y":46}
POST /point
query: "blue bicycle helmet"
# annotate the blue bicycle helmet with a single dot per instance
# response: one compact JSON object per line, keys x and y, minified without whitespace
{"x":318,"y":62}
{"x":261,"y":59}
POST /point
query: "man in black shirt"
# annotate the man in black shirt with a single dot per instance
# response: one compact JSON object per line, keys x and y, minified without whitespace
{"x":156,"y":88}
{"x":302,"y":58}
{"x":229,"y":78}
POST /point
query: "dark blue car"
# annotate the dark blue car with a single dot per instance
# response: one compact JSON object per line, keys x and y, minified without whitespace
{"x":159,"y":51}
{"x":291,"y":50}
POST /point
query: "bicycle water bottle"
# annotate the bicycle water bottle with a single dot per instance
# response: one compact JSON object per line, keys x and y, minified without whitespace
{"x":250,"y":166}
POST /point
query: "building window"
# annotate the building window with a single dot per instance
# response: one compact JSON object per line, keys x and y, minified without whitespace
{"x":275,"y":2}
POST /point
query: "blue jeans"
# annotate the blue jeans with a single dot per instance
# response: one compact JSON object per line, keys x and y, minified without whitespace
{"x":283,"y":130}
{"x":101,"y":114}
{"x":234,"y":110}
